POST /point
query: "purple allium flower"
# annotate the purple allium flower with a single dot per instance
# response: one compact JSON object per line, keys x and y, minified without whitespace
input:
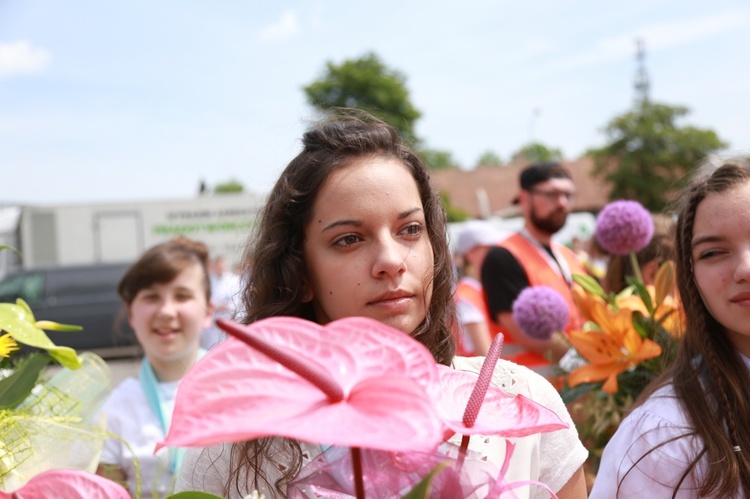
{"x":624,"y":226}
{"x":540,"y":311}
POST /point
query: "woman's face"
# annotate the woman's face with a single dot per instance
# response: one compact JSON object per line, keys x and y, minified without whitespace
{"x":721,"y":260}
{"x":168,"y":318}
{"x":366,"y":246}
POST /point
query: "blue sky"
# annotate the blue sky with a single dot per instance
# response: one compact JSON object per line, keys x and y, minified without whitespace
{"x":133,"y":100}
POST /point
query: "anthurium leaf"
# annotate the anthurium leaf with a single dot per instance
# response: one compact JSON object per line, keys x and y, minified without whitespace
{"x":590,"y":285}
{"x":66,"y":356}
{"x":422,"y":489}
{"x":15,"y":388}
{"x":19,"y":321}
{"x":25,"y":306}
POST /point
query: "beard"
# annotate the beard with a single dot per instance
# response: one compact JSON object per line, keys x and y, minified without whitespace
{"x":549,"y":224}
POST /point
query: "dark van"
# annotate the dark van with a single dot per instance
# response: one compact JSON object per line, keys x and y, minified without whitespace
{"x":85,"y":296}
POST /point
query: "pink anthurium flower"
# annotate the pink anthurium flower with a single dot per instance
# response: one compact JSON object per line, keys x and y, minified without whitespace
{"x":354,"y":382}
{"x":471,"y":405}
{"x":71,"y":484}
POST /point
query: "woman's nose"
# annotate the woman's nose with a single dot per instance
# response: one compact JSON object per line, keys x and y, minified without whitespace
{"x":390,"y":259}
{"x":742,"y":270}
{"x":167,"y":307}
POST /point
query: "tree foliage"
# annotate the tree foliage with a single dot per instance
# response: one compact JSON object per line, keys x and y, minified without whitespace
{"x":454,"y":213}
{"x":649,"y":156}
{"x":231,"y":186}
{"x":436,"y":159}
{"x":366,"y":83}
{"x":536,"y":151}
{"x":489,"y":158}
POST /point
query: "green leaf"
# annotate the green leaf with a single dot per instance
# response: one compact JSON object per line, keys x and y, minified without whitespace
{"x":19,"y":321}
{"x":15,"y":388}
{"x":643,"y":293}
{"x":589,"y":284}
{"x":55,"y":326}
{"x":66,"y":356}
{"x":193,"y":494}
{"x":422,"y":489}
{"x":5,"y":247}
{"x":642,"y":324}
{"x":571,"y":394}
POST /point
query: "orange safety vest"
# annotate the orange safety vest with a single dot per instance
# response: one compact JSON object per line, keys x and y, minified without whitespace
{"x":539,"y":273}
{"x":469,"y":291}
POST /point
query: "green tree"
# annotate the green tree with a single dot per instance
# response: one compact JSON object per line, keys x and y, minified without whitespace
{"x":649,"y":156}
{"x":453,"y":213}
{"x":366,"y":83}
{"x":489,"y":158}
{"x":536,"y":151}
{"x":231,"y":186}
{"x":436,"y":159}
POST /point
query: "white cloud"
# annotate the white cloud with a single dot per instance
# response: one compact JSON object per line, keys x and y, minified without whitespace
{"x":21,"y":58}
{"x":286,"y":27}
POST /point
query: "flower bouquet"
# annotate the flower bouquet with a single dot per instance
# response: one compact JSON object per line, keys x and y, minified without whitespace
{"x":390,"y":421}
{"x":629,"y":338}
{"x":49,"y":423}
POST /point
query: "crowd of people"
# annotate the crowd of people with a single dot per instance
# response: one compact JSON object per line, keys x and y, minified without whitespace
{"x":353,"y":227}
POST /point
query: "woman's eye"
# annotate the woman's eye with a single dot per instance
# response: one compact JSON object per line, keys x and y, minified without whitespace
{"x":703,"y":255}
{"x":415,"y":229}
{"x":347,"y":240}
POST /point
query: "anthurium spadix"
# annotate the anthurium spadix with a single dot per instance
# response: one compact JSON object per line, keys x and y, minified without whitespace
{"x":354,"y":382}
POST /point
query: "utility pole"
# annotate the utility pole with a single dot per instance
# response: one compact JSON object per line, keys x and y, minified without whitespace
{"x":641,"y":77}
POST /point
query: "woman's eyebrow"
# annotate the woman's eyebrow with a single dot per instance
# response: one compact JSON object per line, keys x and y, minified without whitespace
{"x":358,"y":223}
{"x":706,"y":239}
{"x":339,"y":223}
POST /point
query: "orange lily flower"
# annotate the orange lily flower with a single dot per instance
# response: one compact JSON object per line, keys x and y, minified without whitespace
{"x":668,"y":311}
{"x":585,"y":300}
{"x":615,"y":349}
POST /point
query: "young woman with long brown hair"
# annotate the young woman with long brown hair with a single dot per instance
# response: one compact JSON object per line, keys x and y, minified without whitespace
{"x":688,"y":435}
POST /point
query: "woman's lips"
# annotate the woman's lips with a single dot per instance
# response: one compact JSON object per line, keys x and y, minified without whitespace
{"x":394,"y":301}
{"x":741,"y":298}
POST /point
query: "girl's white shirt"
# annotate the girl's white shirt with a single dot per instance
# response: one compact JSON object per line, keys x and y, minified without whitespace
{"x":551,"y":458}
{"x":657,"y":472}
{"x":130,"y":417}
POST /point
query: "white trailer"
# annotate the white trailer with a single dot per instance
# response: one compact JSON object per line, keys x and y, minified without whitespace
{"x":120,"y":232}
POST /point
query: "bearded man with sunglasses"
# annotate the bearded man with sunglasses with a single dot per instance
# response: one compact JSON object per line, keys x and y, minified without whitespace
{"x":531,"y":258}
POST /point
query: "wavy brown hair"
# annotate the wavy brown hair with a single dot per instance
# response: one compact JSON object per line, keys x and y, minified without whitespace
{"x":709,"y":376}
{"x":275,"y":261}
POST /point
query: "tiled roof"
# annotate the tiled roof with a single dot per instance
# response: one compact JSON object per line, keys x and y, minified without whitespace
{"x":496,"y":187}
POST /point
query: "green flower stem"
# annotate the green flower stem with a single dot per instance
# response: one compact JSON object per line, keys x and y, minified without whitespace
{"x":636,"y":267}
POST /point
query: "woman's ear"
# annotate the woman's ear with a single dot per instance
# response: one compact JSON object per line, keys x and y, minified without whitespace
{"x":210,"y":309}
{"x":307,"y":294}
